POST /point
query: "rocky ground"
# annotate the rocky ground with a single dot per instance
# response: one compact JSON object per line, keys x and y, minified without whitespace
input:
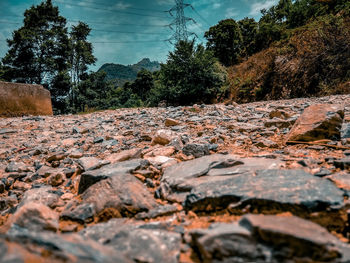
{"x":207,"y":183}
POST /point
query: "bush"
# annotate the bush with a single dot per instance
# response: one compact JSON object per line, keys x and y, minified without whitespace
{"x":190,"y":76}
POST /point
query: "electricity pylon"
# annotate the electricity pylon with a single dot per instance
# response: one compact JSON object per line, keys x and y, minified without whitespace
{"x":180,"y":22}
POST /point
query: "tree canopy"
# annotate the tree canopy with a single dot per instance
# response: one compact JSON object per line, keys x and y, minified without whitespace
{"x":189,"y":76}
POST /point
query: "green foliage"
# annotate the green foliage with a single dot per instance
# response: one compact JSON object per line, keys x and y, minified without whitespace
{"x":225,"y":40}
{"x":143,"y":84}
{"x":249,"y":30}
{"x":81,"y":51}
{"x":92,"y":93}
{"x":189,"y":76}
{"x":2,"y":72}
{"x":38,"y":51}
{"x":121,"y":74}
{"x":232,"y":42}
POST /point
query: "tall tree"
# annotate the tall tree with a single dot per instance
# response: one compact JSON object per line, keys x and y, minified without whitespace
{"x":38,"y":51}
{"x":2,"y":72}
{"x":190,"y":75}
{"x":143,"y":84}
{"x":81,"y":51}
{"x":249,"y":30}
{"x":225,"y":39}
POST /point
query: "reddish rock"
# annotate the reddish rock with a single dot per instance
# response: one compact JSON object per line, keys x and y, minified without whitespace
{"x":320,"y":121}
{"x":24,"y":99}
{"x":124,"y":155}
{"x":171,"y":122}
{"x":163,"y":137}
{"x":36,"y":217}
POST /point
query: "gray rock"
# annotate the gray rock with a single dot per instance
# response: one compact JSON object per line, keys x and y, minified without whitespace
{"x":158,"y":211}
{"x":228,"y":243}
{"x":91,"y":163}
{"x":91,"y":177}
{"x":179,"y":179}
{"x":43,"y":195}
{"x":36,"y":217}
{"x":260,"y":238}
{"x":197,"y":150}
{"x":121,"y":194}
{"x":293,"y":238}
{"x":141,"y":243}
{"x":17,"y":167}
{"x":66,"y":248}
{"x":345,"y":133}
{"x":281,"y":190}
{"x":82,"y":213}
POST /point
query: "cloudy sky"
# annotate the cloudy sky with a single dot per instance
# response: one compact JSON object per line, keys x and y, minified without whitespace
{"x":125,"y":31}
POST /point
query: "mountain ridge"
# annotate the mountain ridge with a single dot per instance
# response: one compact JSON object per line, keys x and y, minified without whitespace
{"x":120,"y":74}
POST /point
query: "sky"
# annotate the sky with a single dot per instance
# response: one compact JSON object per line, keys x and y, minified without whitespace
{"x":126,"y":31}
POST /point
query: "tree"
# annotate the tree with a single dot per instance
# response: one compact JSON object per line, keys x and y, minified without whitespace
{"x":190,"y":76}
{"x":225,"y":40}
{"x":249,"y":30}
{"x":38,"y":51}
{"x":270,"y":29}
{"x":81,"y":51}
{"x":2,"y":72}
{"x":143,"y":84}
{"x":282,"y":10}
{"x":93,"y":92}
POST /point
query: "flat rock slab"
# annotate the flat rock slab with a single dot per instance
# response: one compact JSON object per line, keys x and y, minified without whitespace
{"x":91,"y":177}
{"x":178,"y":180}
{"x":63,"y":248}
{"x":119,"y":195}
{"x":284,"y":190}
{"x":262,"y":238}
{"x":141,"y":243}
{"x":319,"y":121}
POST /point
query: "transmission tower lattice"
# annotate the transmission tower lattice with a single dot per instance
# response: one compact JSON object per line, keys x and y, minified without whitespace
{"x":180,"y":22}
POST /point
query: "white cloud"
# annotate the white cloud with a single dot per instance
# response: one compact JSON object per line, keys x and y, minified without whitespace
{"x":121,"y":5}
{"x":217,"y":5}
{"x":231,"y":12}
{"x":257,"y":6}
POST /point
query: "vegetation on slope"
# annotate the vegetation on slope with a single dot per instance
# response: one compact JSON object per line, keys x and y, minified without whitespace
{"x":298,"y":48}
{"x":313,"y":61}
{"x":120,"y":74}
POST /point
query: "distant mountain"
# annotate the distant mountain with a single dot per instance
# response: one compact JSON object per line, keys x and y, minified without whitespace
{"x":120,"y":73}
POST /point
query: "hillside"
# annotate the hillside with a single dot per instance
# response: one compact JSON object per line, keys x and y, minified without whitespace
{"x":120,"y":73}
{"x":314,"y":60}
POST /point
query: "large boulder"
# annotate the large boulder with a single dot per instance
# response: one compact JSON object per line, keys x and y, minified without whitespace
{"x":119,"y":196}
{"x":139,"y":242}
{"x":58,"y":248}
{"x":268,"y":238}
{"x":320,"y":121}
{"x":24,"y":99}
{"x":267,"y":189}
{"x":178,"y":180}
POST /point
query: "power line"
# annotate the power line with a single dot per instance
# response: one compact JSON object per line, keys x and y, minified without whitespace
{"x":115,"y":24}
{"x":110,"y":10}
{"x":127,"y":32}
{"x":120,"y":42}
{"x":92,"y":22}
{"x":129,"y":42}
{"x":125,"y":7}
{"x":200,"y":16}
